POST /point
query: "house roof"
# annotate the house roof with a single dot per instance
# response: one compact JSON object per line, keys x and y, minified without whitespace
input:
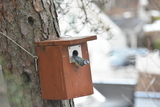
{"x":127,"y":23}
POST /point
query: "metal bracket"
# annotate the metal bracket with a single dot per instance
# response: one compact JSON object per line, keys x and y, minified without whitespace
{"x":71,"y":49}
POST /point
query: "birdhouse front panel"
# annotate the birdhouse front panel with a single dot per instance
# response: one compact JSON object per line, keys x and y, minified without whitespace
{"x":77,"y":79}
{"x":61,"y":78}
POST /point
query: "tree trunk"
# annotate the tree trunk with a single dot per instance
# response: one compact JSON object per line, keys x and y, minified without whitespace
{"x":26,"y":21}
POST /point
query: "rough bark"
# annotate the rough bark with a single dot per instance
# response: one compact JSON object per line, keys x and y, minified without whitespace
{"x":26,"y":21}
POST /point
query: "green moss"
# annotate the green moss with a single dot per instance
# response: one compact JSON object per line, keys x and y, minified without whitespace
{"x":0,"y":60}
{"x":157,"y":44}
{"x":155,"y":18}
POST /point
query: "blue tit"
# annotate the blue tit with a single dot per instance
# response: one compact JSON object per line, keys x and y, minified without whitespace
{"x":80,"y":61}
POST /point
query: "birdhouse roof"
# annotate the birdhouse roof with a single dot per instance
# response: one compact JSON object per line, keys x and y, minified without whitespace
{"x":66,"y":40}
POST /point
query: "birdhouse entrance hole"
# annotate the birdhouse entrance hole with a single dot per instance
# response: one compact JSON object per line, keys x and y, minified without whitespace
{"x":76,"y":49}
{"x":75,"y":53}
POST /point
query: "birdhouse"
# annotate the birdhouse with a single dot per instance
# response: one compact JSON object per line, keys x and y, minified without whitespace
{"x":61,"y":74}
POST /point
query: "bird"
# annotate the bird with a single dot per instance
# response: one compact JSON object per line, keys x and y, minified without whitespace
{"x":78,"y":60}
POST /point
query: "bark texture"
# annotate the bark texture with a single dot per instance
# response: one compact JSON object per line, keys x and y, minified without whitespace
{"x":26,"y":21}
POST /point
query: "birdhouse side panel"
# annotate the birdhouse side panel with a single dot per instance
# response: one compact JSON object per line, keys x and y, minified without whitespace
{"x":51,"y":72}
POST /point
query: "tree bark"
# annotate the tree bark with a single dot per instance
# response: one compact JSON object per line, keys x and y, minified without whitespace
{"x":26,"y":22}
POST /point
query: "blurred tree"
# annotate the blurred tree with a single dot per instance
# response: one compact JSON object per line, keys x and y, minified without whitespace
{"x":26,"y":21}
{"x":78,"y":15}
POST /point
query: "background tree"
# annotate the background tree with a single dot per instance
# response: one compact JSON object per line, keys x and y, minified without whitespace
{"x":26,"y":22}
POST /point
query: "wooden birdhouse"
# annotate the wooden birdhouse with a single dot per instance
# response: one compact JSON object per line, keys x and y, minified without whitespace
{"x":60,"y":77}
